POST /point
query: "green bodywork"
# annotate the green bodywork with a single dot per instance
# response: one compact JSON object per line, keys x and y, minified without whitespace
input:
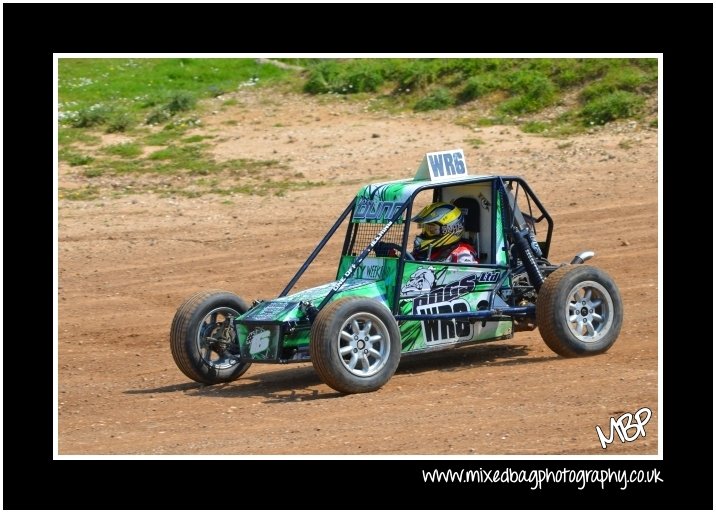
{"x":286,"y":311}
{"x":452,"y":289}
{"x":279,"y":329}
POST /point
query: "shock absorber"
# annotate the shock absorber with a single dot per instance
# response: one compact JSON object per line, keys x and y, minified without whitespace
{"x":522,"y":250}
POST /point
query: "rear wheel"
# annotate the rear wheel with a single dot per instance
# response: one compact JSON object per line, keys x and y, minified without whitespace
{"x":202,"y":334}
{"x":355,"y":345}
{"x":579,"y":311}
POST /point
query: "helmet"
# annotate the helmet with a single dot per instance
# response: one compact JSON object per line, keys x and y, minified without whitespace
{"x":442,"y":225}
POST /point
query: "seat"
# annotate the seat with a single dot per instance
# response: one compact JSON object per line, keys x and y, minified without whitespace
{"x":471,"y":210}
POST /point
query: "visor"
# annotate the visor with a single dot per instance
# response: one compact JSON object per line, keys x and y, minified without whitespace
{"x":430,"y":229}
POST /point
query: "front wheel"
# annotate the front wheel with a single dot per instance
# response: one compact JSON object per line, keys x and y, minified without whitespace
{"x":202,"y":335}
{"x":355,"y":345}
{"x":579,"y":311}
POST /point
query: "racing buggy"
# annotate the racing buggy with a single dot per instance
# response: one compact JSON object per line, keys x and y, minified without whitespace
{"x":385,"y":304}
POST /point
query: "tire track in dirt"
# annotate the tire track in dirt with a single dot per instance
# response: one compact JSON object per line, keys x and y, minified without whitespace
{"x":127,"y":263}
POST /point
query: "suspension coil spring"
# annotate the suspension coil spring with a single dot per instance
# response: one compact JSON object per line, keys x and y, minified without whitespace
{"x":522,"y":250}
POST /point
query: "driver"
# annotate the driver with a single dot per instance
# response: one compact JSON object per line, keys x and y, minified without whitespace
{"x":439,"y":240}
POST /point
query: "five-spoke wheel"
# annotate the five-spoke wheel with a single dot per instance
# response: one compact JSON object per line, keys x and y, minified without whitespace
{"x":579,"y":311}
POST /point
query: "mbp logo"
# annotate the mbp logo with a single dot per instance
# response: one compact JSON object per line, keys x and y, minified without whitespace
{"x":623,"y":424}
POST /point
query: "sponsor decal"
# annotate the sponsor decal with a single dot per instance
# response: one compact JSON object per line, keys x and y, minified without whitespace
{"x":445,"y":300}
{"x":488,"y":277}
{"x":258,"y":340}
{"x":420,"y":281}
{"x":433,"y":298}
{"x":370,"y":269}
{"x":270,"y":311}
{"x":375,"y":210}
{"x":440,"y":299}
{"x":483,"y":201}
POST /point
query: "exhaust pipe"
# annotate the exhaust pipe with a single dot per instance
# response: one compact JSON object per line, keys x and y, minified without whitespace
{"x":582,"y":257}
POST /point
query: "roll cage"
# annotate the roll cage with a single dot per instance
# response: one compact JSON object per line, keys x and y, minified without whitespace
{"x":364,"y":238}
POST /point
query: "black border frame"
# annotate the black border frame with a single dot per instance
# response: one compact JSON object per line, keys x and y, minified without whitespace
{"x":30,"y":40}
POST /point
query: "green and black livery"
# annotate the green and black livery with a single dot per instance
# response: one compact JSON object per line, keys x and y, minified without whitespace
{"x":347,"y":327}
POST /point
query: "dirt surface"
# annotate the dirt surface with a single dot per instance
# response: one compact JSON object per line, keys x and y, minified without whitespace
{"x":127,"y":263}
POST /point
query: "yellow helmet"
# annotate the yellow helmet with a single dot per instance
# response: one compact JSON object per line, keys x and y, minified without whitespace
{"x":442,"y":224}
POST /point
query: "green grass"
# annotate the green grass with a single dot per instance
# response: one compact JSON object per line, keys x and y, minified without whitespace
{"x":202,"y":186}
{"x":124,"y":150}
{"x":87,"y":193}
{"x":119,"y":167}
{"x":176,"y":159}
{"x":531,"y":90}
{"x":248,"y":166}
{"x":520,"y":86}
{"x":620,"y":79}
{"x":144,"y":83}
{"x":475,"y":143}
{"x":93,"y":172}
{"x":483,"y":122}
{"x":186,"y":157}
{"x":480,"y":85}
{"x":615,"y":105}
{"x":439,"y":98}
{"x":165,"y":192}
{"x":68,"y":136}
{"x":535,"y":127}
{"x":190,"y":151}
{"x":126,"y":95}
{"x":89,"y":116}
{"x":361,"y":75}
{"x":73,"y":158}
{"x":196,"y":138}
{"x":180,"y":101}
{"x":120,"y":121}
{"x":164,"y":137}
{"x":275,"y":187}
{"x":119,"y":93}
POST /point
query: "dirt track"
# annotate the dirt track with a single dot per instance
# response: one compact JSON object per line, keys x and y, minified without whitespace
{"x":127,"y":263}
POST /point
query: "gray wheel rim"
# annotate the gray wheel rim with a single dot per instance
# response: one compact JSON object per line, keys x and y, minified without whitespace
{"x":210,"y":327}
{"x":589,"y":311}
{"x":364,"y":344}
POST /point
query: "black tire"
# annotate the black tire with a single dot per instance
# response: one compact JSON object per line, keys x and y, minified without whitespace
{"x":340,"y":344}
{"x":579,"y":311}
{"x":199,"y":317}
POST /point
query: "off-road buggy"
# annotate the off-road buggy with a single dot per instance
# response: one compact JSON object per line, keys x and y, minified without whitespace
{"x":384,"y":304}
